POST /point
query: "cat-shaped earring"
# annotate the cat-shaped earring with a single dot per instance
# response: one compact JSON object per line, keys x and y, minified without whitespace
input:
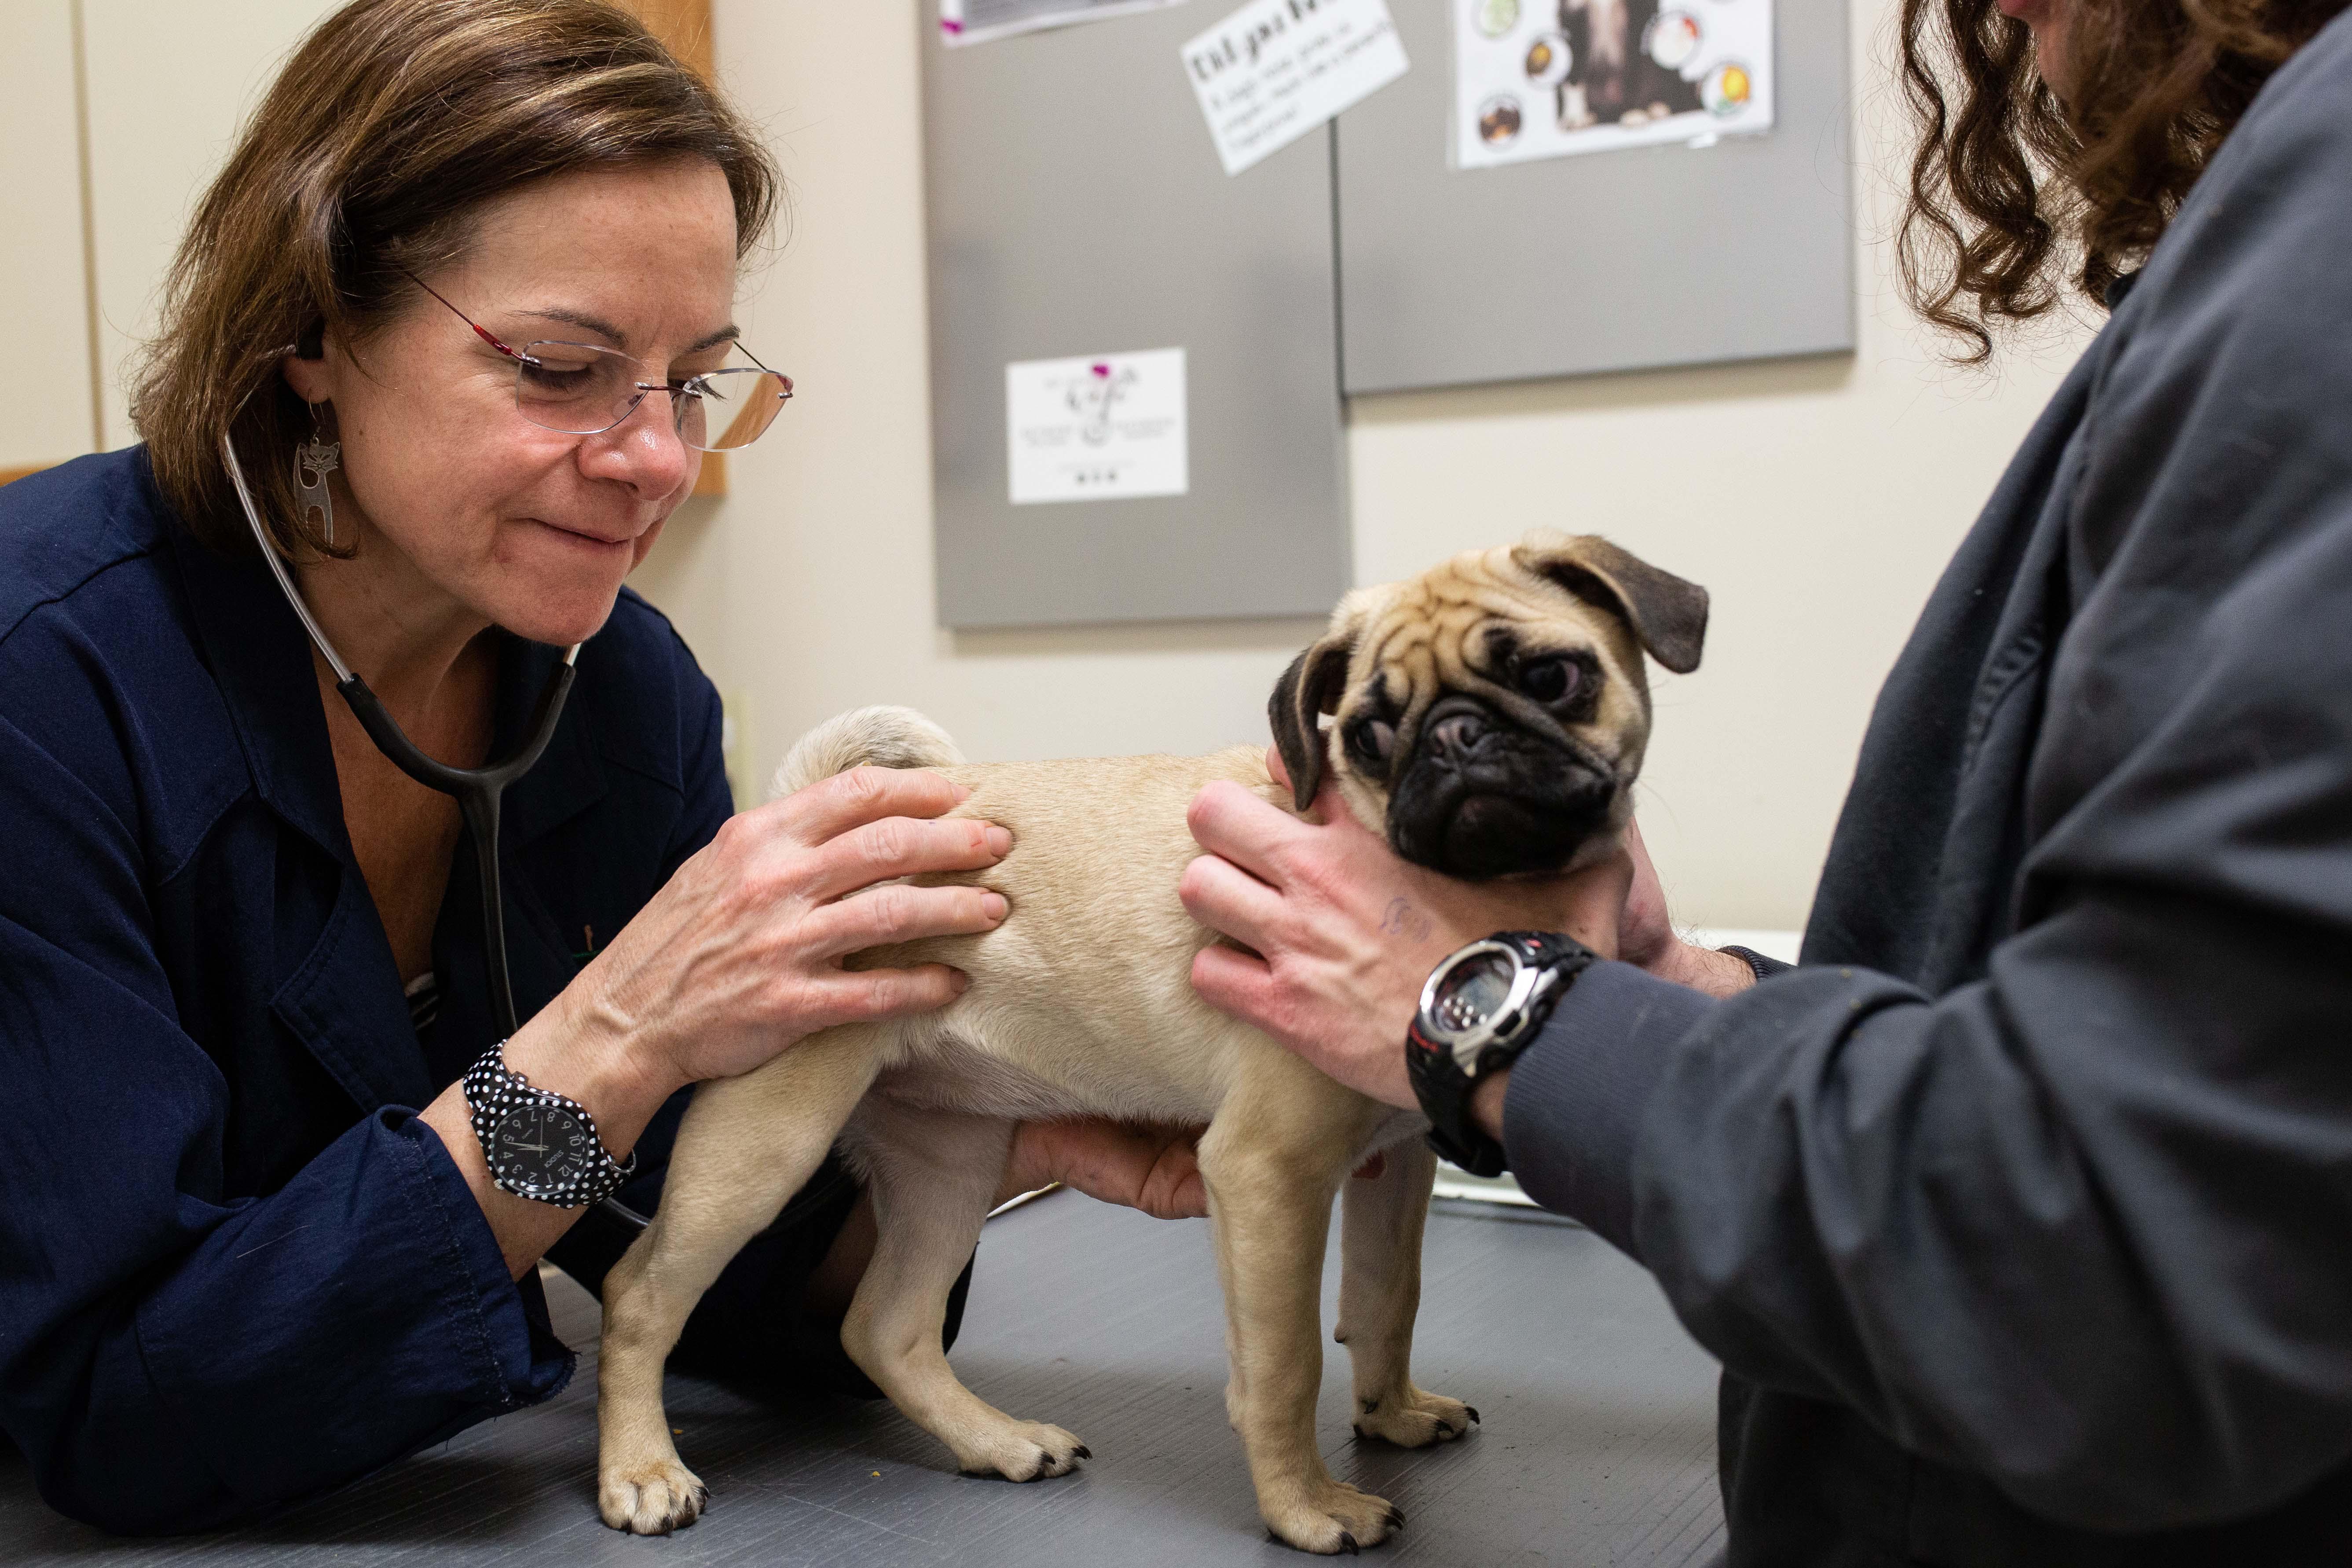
{"x":313,"y":461}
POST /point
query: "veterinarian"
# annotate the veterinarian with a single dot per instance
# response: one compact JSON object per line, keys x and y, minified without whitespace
{"x":2019,"y":1214}
{"x":459,"y":307}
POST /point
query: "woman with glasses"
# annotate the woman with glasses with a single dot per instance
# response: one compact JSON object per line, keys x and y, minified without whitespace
{"x":292,"y":1114}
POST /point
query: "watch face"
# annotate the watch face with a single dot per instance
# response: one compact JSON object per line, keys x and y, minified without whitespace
{"x":1474,"y":991}
{"x":541,"y":1147}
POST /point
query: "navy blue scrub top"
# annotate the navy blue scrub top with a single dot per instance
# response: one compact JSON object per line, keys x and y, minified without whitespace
{"x":235,"y":1269}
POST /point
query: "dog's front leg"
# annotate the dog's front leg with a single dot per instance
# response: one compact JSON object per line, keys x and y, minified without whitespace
{"x":1273,"y":1159}
{"x":932,"y":1176}
{"x":1380,"y":1295}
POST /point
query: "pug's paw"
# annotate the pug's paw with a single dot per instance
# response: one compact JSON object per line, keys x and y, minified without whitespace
{"x":1024,"y":1451}
{"x":651,"y":1500}
{"x":1414,"y":1418}
{"x":1330,"y":1517}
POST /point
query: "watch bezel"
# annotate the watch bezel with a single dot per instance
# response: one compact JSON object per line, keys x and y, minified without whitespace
{"x":1464,"y":1045}
{"x":497,"y":1095}
{"x":503,"y":1161}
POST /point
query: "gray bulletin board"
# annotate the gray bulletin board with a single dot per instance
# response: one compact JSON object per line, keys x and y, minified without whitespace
{"x":1077,"y":207}
{"x":1610,"y":262}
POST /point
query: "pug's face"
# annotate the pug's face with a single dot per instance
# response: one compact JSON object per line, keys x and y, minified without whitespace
{"x":1490,"y":716}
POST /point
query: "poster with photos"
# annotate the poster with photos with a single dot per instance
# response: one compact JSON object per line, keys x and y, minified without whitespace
{"x":1553,"y":79}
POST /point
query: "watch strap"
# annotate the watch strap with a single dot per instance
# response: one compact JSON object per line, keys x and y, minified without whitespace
{"x":495,"y":1091}
{"x":1454,"y":1132}
{"x":1445,"y":1089}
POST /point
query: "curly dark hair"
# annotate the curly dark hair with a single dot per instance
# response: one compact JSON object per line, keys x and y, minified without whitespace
{"x":2014,"y":188}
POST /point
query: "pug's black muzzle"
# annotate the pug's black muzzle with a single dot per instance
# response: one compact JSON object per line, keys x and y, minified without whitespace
{"x":1481,"y":797}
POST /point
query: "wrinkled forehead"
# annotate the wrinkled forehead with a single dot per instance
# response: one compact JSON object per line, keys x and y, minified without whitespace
{"x":1453,"y":621}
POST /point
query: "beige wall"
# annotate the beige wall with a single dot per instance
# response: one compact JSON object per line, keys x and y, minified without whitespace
{"x":1818,"y":499}
{"x":168,"y":84}
{"x":45,"y":411}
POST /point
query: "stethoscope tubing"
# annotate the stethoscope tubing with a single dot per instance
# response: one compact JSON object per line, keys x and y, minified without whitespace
{"x":479,"y":792}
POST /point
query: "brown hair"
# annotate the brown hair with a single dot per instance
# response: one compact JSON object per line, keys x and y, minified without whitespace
{"x":2012,"y":188}
{"x":381,"y":139}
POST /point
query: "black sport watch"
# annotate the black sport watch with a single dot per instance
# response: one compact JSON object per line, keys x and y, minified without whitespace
{"x":1482,"y":1006}
{"x":539,"y":1145}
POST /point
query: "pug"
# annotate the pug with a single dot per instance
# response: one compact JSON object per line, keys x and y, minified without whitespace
{"x":1489,"y":718}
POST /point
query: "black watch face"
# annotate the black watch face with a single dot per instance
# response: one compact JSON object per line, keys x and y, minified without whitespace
{"x":540,"y":1147}
{"x":1474,"y":991}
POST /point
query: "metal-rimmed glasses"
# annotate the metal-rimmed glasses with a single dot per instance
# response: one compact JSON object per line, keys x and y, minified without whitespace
{"x":585,"y":389}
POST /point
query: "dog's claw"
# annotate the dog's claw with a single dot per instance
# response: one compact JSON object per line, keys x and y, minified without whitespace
{"x":1446,"y":1428}
{"x":1474,"y":1413}
{"x":1347,"y":1542}
{"x":1396,"y":1518}
{"x":1083,"y":1452}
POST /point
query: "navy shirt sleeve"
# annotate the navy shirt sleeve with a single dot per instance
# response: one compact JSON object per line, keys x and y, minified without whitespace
{"x":170,"y":1358}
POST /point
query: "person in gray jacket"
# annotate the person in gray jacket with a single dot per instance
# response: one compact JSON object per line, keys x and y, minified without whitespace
{"x":2019,"y":1213}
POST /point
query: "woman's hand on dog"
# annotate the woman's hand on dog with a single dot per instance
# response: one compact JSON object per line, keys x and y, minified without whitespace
{"x":740,"y":953}
{"x":739,"y":956}
{"x":1341,"y":933}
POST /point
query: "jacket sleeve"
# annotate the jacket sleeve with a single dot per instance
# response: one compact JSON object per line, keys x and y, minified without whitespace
{"x":2079,"y":1225}
{"x":171,"y":1359}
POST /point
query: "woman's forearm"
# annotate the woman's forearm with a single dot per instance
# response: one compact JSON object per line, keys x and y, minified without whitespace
{"x":620,"y":1081}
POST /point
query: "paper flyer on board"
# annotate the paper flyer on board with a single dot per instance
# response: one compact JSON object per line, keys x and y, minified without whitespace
{"x":1098,"y":427}
{"x":1552,"y":79}
{"x":965,"y":22}
{"x":1276,"y":70}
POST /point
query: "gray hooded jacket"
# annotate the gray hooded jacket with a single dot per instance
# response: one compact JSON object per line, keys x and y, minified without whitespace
{"x":2020,"y":1214}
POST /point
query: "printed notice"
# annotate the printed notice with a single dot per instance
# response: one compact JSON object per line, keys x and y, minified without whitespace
{"x":1538,"y":79}
{"x":1276,"y":70}
{"x":1104,"y":427}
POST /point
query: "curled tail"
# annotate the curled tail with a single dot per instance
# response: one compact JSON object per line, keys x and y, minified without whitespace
{"x":876,"y":736}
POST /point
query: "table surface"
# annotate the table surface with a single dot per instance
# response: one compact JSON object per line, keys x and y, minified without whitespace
{"x":1597,"y":1445}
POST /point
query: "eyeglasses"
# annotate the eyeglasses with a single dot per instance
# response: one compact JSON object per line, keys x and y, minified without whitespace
{"x":584,"y":389}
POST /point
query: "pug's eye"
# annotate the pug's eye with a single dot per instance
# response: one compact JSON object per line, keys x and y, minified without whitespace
{"x":1548,"y":680}
{"x":1372,"y":741}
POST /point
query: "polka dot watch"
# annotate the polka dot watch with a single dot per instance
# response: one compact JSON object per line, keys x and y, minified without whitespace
{"x":539,"y":1145}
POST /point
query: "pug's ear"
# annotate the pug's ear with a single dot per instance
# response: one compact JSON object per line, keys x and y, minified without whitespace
{"x":1668,"y":614}
{"x":1310,"y":689}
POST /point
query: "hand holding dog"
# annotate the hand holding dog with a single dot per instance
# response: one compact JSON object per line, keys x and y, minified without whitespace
{"x":1647,"y":940}
{"x":1153,"y":1169}
{"x":740,"y":953}
{"x":1342,"y":932}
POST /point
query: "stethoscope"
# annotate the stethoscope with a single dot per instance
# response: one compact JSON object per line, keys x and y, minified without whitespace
{"x":476,"y":791}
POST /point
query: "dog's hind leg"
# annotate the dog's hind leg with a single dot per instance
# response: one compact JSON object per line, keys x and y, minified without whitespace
{"x":1379,"y":1294}
{"x":746,"y":1146}
{"x":932,"y":1174}
{"x":1272,"y":1159}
